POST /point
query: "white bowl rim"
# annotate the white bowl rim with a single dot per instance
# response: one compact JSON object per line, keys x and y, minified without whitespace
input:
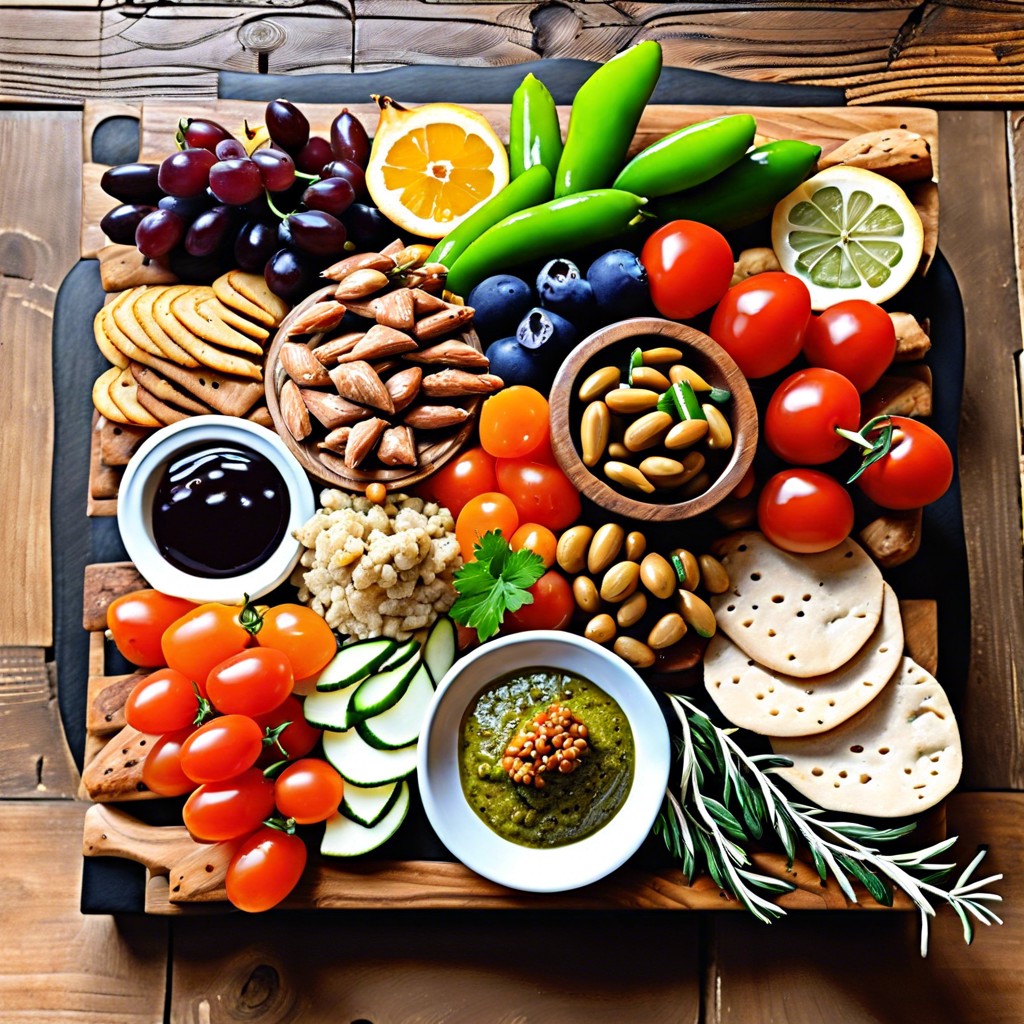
{"x":133,"y":515}
{"x":553,"y":869}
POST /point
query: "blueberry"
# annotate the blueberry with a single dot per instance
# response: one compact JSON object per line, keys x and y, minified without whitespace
{"x":517,"y":365}
{"x":546,"y":331}
{"x":500,"y":302}
{"x":561,"y":288}
{"x":619,"y":281}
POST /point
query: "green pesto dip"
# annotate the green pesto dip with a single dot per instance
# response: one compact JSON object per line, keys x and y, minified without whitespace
{"x":570,"y":807}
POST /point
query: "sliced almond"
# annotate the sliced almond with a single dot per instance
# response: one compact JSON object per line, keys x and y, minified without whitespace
{"x":395,"y":309}
{"x":358,"y":382}
{"x":361,"y":283}
{"x":359,"y":261}
{"x":330,"y":409}
{"x":397,"y":447}
{"x":435,"y":417}
{"x":379,"y":342}
{"x":332,"y":350}
{"x":453,"y":383}
{"x":336,"y":440}
{"x":404,"y":386}
{"x":302,"y":365}
{"x":444,"y":322}
{"x":424,"y":303}
{"x":365,"y":308}
{"x":451,"y":353}
{"x":363,"y":439}
{"x":320,"y":317}
{"x":294,"y":411}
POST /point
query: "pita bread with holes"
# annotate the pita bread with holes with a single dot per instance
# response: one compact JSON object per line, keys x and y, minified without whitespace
{"x":802,"y":615}
{"x":899,"y":756}
{"x":756,"y":698}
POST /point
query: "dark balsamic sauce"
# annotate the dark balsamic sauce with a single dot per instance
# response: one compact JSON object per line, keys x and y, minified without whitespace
{"x":219,"y":510}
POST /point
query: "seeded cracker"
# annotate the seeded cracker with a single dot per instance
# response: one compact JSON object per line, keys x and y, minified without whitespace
{"x":804,"y":615}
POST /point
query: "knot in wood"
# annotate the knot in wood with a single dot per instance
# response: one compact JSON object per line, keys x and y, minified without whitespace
{"x":263,"y":36}
{"x":260,"y":990}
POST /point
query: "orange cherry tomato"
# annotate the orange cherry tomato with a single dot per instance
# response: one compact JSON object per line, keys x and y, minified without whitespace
{"x":301,"y":635}
{"x":252,"y":682}
{"x":162,"y":702}
{"x":229,"y":809}
{"x":202,"y":638}
{"x":309,"y":791}
{"x":482,"y":514}
{"x":137,"y":622}
{"x":221,"y":749}
{"x":514,"y":422}
{"x":161,"y":770}
{"x":539,"y":539}
{"x":466,"y":476}
{"x":264,"y":869}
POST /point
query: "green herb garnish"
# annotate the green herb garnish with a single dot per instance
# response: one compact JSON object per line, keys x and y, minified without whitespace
{"x":496,"y":582}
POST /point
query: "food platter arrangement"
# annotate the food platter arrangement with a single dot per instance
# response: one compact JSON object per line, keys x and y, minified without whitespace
{"x":542,"y":495}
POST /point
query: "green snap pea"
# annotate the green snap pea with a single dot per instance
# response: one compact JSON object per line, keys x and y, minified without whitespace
{"x":688,"y":157}
{"x":532,"y":187}
{"x":558,"y":226}
{"x":534,"y":134}
{"x":604,"y":117}
{"x":748,"y":190}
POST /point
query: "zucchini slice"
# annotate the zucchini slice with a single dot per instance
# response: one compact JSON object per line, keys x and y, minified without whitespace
{"x":355,"y":661}
{"x":344,"y":837}
{"x":401,"y":654}
{"x":328,"y":709}
{"x":400,"y":725}
{"x":359,"y":763}
{"x":367,"y":805}
{"x":439,"y":649}
{"x":381,"y":691}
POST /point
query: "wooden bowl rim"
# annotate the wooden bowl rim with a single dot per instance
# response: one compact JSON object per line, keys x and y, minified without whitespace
{"x":742,"y":418}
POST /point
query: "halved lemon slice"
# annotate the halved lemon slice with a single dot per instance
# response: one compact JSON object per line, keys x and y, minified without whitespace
{"x":848,"y":233}
{"x":432,"y":166}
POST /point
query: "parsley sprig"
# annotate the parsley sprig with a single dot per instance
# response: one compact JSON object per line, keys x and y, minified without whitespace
{"x":495,"y":582}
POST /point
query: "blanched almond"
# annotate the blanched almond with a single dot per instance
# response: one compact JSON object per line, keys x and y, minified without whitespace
{"x":404,"y":386}
{"x":451,"y":353}
{"x":330,"y":409}
{"x":397,"y":447}
{"x":302,"y":365}
{"x":395,"y":309}
{"x":453,"y":383}
{"x":294,"y":412}
{"x":336,"y":440}
{"x":358,"y":382}
{"x":362,"y":440}
{"x":443,"y":322}
{"x":435,"y":417}
{"x":361,"y":283}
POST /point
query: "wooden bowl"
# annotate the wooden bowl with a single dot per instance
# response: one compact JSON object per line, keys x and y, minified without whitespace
{"x":329,"y":467}
{"x":702,"y":354}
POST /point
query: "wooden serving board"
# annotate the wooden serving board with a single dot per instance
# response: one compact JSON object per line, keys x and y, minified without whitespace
{"x":183,"y":873}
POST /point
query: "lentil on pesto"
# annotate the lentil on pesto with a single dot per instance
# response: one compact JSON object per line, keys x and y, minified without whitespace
{"x":570,"y":806}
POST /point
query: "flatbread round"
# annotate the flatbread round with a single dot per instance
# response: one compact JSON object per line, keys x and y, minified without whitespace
{"x":803,"y":615}
{"x":899,"y":756}
{"x":753,"y":697}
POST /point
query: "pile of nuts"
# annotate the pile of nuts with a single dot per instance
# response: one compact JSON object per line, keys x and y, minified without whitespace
{"x":642,"y":591}
{"x":646,"y":443}
{"x":376,"y":389}
{"x":554,"y":740}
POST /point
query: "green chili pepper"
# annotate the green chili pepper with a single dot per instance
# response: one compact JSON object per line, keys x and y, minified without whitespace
{"x":533,"y":186}
{"x":688,"y":157}
{"x":558,"y":226}
{"x":681,"y":400}
{"x":748,"y":190}
{"x":534,"y":134}
{"x":604,"y":117}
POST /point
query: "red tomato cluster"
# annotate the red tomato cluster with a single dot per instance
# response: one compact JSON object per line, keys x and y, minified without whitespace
{"x":222,"y":710}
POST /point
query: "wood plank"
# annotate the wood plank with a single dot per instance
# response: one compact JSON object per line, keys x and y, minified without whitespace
{"x":868,"y":969}
{"x":59,"y":966}
{"x":989,"y":453}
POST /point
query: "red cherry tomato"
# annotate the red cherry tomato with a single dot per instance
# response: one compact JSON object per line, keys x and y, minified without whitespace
{"x":553,"y":604}
{"x":202,"y":638}
{"x":689,"y":266}
{"x":539,"y":539}
{"x":485,"y":512}
{"x":221,"y":749}
{"x":229,"y":809}
{"x":309,"y":791}
{"x":465,"y":477}
{"x":138,"y":620}
{"x":917,"y":471}
{"x":761,"y":322}
{"x":800,"y":422}
{"x":301,"y":635}
{"x":541,"y":493}
{"x":804,"y":510}
{"x":297,"y":739}
{"x":264,"y":869}
{"x":162,"y":702}
{"x":161,"y":770}
{"x":514,"y":422}
{"x":855,"y":338}
{"x":252,"y":682}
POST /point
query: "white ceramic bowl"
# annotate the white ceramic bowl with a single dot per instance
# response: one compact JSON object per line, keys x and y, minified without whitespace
{"x":520,"y":867}
{"x":135,"y":508}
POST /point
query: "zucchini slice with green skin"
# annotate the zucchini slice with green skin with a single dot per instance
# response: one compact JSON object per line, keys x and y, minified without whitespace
{"x":359,"y":763}
{"x":367,"y":805}
{"x":344,"y":837}
{"x":355,"y":661}
{"x":439,"y":648}
{"x":400,"y":725}
{"x":328,"y":709}
{"x":381,"y":691}
{"x":401,"y":654}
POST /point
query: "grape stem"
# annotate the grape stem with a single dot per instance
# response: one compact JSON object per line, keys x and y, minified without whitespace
{"x":273,"y":208}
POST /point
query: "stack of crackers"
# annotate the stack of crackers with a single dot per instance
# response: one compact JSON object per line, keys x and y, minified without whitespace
{"x":810,"y":653}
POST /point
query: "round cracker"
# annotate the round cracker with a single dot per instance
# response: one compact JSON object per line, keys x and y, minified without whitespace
{"x":101,"y":396}
{"x":755,"y":698}
{"x":899,"y":756}
{"x":802,"y":615}
{"x":110,"y":351}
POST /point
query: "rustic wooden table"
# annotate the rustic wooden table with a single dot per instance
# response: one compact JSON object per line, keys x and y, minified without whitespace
{"x":61,"y":966}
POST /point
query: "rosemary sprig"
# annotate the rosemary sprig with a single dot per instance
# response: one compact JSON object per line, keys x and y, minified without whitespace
{"x":709,"y":832}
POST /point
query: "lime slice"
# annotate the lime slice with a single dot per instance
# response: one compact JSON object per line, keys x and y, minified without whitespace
{"x":848,"y":233}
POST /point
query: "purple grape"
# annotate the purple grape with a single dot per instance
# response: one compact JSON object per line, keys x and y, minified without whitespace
{"x":285,"y":240}
{"x":119,"y":224}
{"x":208,"y":231}
{"x":349,"y":170}
{"x":277,"y":169}
{"x":132,"y":183}
{"x":317,"y":232}
{"x":313,"y":155}
{"x":254,"y":245}
{"x":349,"y":140}
{"x":288,"y":276}
{"x":159,"y":232}
{"x":230,"y":149}
{"x":186,"y":173}
{"x":287,"y":125}
{"x":201,"y":133}
{"x":187,"y":209}
{"x":367,"y":226}
{"x":198,"y":269}
{"x":332,"y":195}
{"x":236,"y":182}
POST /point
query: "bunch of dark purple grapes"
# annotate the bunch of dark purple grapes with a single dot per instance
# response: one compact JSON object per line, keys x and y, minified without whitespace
{"x":287,"y":210}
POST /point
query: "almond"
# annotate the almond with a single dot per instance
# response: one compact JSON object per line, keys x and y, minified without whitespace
{"x":320,"y":317}
{"x":331,"y":351}
{"x":444,"y":322}
{"x":379,"y":342}
{"x":404,"y":386}
{"x":363,"y":307}
{"x":435,"y":417}
{"x":424,"y":303}
{"x":358,"y":382}
{"x":361,"y":283}
{"x":430,"y":277}
{"x":360,"y":261}
{"x":451,"y":353}
{"x":395,"y":309}
{"x":336,"y":440}
{"x":452,"y":383}
{"x":302,"y":365}
{"x":397,"y":447}
{"x":393,"y":248}
{"x":412,"y":256}
{"x":362,"y":439}
{"x":330,"y":409}
{"x":293,"y":409}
